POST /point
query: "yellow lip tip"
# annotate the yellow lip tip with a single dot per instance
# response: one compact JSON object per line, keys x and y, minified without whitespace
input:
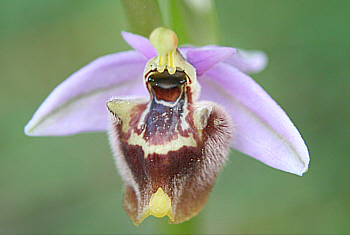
{"x":164,"y":40}
{"x":159,"y":206}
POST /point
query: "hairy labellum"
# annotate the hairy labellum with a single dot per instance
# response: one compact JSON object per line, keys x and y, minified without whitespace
{"x":175,"y":149}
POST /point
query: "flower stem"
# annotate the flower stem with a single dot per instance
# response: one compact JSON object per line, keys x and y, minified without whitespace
{"x":143,"y":16}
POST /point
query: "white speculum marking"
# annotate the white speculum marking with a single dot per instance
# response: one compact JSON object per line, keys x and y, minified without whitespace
{"x":172,"y":145}
{"x":167,"y":146}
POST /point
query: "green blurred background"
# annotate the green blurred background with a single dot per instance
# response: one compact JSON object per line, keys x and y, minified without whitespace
{"x":69,"y":184}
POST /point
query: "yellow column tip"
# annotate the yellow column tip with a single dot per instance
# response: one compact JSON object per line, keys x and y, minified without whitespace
{"x":164,"y":40}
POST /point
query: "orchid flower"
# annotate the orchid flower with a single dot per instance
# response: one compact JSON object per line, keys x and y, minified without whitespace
{"x":172,"y":114}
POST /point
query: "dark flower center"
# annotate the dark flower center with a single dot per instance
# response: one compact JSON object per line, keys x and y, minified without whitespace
{"x":167,"y":87}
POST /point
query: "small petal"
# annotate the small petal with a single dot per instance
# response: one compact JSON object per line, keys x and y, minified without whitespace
{"x":204,"y":58}
{"x":79,"y":103}
{"x":261,"y":128}
{"x":140,"y":44}
{"x":249,"y":61}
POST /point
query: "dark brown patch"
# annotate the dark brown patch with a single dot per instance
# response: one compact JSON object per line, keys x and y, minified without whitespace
{"x":165,"y":86}
{"x":161,"y":170}
{"x":169,"y":95}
